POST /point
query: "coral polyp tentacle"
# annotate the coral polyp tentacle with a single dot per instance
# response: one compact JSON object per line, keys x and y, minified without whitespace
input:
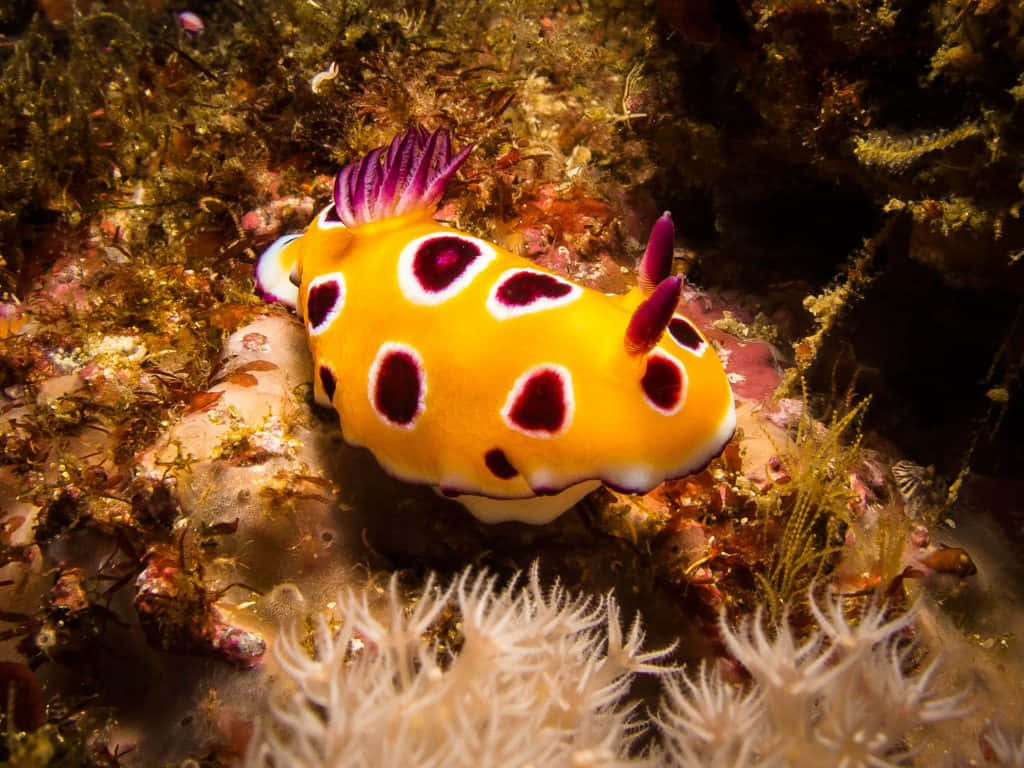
{"x":467,"y":368}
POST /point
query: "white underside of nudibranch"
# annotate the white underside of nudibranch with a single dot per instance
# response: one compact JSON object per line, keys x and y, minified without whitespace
{"x":536,"y":509}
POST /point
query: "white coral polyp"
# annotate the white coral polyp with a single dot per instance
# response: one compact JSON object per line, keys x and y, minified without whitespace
{"x":542,"y":676}
{"x":845,"y":697}
{"x":539,"y":680}
{"x":1007,"y":749}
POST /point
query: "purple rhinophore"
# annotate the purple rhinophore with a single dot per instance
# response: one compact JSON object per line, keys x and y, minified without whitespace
{"x":652,"y":316}
{"x":657,"y":261}
{"x":408,"y":174}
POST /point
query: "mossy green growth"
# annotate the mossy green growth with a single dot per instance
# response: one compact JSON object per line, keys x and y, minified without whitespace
{"x":897,"y":153}
{"x":68,"y":745}
{"x":814,"y":506}
{"x":32,"y":750}
{"x":947,"y":216}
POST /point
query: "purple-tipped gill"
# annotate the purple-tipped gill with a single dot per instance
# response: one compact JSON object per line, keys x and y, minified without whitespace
{"x":650,"y":319}
{"x":409,"y":174}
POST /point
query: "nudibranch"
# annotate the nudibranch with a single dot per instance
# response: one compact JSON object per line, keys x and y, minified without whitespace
{"x":473,"y":370}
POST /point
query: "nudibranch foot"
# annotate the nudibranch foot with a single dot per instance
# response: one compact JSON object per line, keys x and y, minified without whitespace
{"x":535,"y":509}
{"x":467,"y":368}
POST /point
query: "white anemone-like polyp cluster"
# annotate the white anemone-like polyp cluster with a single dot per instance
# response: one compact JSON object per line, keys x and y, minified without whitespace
{"x":848,"y":695}
{"x":540,"y":680}
{"x":1005,"y":748}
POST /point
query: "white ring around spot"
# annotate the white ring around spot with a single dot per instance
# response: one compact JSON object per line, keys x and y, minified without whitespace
{"x":683,"y":383}
{"x":323,"y":223}
{"x":410,"y":285}
{"x":504,"y":311}
{"x":701,"y":348}
{"x":335,"y":310}
{"x":387,"y":348}
{"x":568,"y":402}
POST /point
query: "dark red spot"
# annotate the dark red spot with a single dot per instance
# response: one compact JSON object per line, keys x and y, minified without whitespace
{"x":540,"y":406}
{"x":662,"y":382}
{"x":332,"y":216}
{"x":498,"y":463}
{"x":397,"y":391}
{"x":323,"y":297}
{"x":440,"y":261}
{"x":328,"y":381}
{"x":524,"y":288}
{"x":685,"y":333}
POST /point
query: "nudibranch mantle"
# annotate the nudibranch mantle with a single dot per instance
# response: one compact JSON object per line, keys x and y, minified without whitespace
{"x":470,"y":369}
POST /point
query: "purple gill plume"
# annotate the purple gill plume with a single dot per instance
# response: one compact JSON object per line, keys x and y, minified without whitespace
{"x":409,"y":175}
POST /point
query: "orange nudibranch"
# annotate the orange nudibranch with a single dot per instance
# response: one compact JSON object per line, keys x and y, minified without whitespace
{"x":470,"y":369}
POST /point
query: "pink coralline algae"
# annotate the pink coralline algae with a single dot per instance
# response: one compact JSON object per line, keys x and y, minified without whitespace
{"x":753,"y":366}
{"x":268,"y":219}
{"x":178,"y":613}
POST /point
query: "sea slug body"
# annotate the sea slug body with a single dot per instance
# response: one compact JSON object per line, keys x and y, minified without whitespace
{"x":191,"y":23}
{"x":467,"y":368}
{"x":323,"y":77}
